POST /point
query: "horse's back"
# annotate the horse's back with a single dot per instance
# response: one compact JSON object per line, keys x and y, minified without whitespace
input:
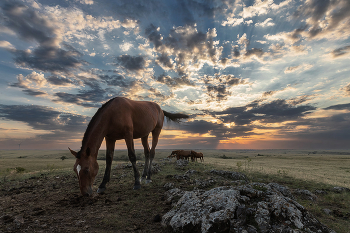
{"x":141,"y":117}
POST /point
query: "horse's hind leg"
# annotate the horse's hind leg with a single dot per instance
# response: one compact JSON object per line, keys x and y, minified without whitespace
{"x":109,"y":158}
{"x":155,"y":136}
{"x":145,"y":145}
{"x":132,"y":157}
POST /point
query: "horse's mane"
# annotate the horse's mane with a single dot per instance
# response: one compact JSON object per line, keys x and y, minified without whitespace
{"x":93,"y":120}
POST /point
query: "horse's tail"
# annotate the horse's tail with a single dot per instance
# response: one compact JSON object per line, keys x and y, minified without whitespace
{"x":175,"y":116}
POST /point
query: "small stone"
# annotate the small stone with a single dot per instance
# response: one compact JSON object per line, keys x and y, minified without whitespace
{"x":168,"y":186}
{"x":157,"y":218}
{"x":327,"y":211}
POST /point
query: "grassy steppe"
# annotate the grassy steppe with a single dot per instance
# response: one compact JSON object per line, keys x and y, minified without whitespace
{"x":312,"y":170}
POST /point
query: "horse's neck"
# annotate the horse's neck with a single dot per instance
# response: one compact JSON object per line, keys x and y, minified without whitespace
{"x":93,"y":137}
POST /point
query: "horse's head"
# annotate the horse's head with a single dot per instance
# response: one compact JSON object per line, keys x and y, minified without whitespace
{"x":86,"y":168}
{"x":174,"y":152}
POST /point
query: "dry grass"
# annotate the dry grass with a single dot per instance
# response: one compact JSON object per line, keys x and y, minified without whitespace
{"x":326,"y":167}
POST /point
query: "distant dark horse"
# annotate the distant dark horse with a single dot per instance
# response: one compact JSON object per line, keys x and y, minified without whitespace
{"x":180,"y":154}
{"x":119,"y":118}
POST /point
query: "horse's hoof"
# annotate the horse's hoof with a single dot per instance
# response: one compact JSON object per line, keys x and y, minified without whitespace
{"x":137,"y":186}
{"x":101,"y":190}
{"x":142,"y":179}
{"x":148,"y":181}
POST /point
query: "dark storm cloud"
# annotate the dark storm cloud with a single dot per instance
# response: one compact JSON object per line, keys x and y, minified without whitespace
{"x":154,"y":36}
{"x":30,"y":26}
{"x":327,"y":132}
{"x":49,"y":59}
{"x":165,"y":61}
{"x":33,"y":92}
{"x":339,"y":107}
{"x":219,"y":91}
{"x":273,"y":112}
{"x":254,"y":51}
{"x":117,"y":80}
{"x":340,"y":51}
{"x":188,"y":45}
{"x":218,"y":130}
{"x":90,"y":98}
{"x":85,"y":98}
{"x":174,"y":82}
{"x":268,"y":93}
{"x":347,"y":89}
{"x":316,"y":11}
{"x":131,"y":63}
{"x":43,"y":118}
{"x":159,"y":95}
{"x":59,"y":81}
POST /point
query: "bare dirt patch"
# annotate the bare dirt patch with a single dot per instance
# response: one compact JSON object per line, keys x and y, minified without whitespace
{"x":53,"y":203}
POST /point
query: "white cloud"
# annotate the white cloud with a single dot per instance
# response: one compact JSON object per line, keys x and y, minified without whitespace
{"x":126,"y":46}
{"x":232,"y":22}
{"x":298,"y":68}
{"x":87,"y":2}
{"x":266,"y":23}
{"x":6,"y":45}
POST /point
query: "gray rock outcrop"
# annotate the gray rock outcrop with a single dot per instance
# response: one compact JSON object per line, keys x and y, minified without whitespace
{"x":250,"y":208}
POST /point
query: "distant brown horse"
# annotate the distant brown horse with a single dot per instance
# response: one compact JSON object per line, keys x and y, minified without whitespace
{"x":119,"y":118}
{"x":196,"y":155}
{"x":181,"y":154}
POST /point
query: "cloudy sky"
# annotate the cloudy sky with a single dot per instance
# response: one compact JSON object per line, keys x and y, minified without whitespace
{"x":252,"y":74}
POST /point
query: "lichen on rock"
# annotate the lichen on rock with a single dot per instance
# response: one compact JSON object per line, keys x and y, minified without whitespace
{"x":255,"y":207}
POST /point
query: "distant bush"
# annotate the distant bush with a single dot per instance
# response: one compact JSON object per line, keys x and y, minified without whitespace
{"x":20,"y":169}
{"x":225,"y":157}
{"x":63,"y":157}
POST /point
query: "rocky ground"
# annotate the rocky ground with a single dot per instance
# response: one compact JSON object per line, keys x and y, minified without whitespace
{"x":181,"y":198}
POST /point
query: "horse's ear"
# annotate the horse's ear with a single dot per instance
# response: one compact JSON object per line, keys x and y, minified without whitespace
{"x":88,"y":151}
{"x":73,"y":152}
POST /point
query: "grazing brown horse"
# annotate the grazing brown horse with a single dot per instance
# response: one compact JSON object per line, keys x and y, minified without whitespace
{"x":196,"y":155}
{"x":119,"y":118}
{"x":181,"y":154}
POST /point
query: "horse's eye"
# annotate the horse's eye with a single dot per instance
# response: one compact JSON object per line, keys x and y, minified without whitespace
{"x":86,"y":171}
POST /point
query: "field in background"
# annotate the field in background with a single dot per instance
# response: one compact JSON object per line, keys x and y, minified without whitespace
{"x":328,"y":167}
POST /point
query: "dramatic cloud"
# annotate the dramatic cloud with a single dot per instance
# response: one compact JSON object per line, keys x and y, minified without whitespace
{"x":276,"y":111}
{"x":91,"y":98}
{"x":299,"y":68}
{"x":174,"y":82}
{"x":117,"y":80}
{"x":44,"y":118}
{"x":30,"y":83}
{"x":131,"y":63}
{"x":326,"y":18}
{"x":266,"y":23}
{"x":341,"y":51}
{"x":48,"y":56}
{"x":59,"y":81}
{"x":339,"y":107}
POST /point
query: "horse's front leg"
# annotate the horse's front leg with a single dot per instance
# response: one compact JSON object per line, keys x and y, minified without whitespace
{"x":109,"y":158}
{"x":132,"y":157}
{"x":145,"y":145}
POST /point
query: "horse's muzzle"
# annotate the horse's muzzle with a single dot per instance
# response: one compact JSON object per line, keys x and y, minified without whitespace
{"x":88,"y":192}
